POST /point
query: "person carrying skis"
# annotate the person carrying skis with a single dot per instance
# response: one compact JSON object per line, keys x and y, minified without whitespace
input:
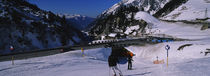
{"x":113,"y":65}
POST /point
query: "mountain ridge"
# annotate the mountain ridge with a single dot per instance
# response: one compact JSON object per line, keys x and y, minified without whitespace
{"x":26,"y":27}
{"x":80,"y":22}
{"x":123,"y":15}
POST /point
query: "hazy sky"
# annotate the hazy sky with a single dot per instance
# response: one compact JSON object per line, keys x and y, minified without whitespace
{"x":90,"y":8}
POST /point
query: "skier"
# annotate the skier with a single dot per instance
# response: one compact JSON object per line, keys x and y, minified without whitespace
{"x":113,"y":65}
{"x":130,"y":59}
{"x":113,"y":60}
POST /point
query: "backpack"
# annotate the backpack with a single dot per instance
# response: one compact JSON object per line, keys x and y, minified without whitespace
{"x":122,"y":60}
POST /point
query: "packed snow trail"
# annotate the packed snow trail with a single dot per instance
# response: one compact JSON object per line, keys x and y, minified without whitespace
{"x":73,"y":64}
{"x":181,"y":63}
{"x":66,"y":64}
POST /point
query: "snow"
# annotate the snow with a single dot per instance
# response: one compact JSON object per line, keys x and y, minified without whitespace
{"x":68,"y":16}
{"x":181,"y":30}
{"x":189,"y":11}
{"x":127,"y":1}
{"x":71,"y":63}
{"x":112,"y":34}
{"x":152,"y":6}
{"x":186,"y":62}
{"x":131,"y":28}
{"x":112,"y":9}
{"x":146,"y":17}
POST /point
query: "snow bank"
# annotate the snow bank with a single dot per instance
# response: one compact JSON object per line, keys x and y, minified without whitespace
{"x":151,"y":52}
{"x":181,"y":30}
{"x":99,"y":54}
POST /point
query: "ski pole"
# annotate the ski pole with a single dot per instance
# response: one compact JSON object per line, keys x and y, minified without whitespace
{"x":109,"y":71}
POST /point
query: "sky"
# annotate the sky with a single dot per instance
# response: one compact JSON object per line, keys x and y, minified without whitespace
{"x":90,"y":8}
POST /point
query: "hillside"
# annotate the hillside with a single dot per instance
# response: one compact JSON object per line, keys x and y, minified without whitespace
{"x":26,"y":27}
{"x":122,"y":16}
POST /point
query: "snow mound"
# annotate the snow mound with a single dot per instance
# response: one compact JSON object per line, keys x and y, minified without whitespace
{"x":181,"y":30}
{"x":158,"y":50}
{"x":146,"y":17}
{"x":99,"y":54}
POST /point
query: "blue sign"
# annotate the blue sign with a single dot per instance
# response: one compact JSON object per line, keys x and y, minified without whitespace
{"x":164,"y":40}
{"x":170,"y":40}
{"x":153,"y":40}
{"x":159,"y":41}
{"x":167,"y":47}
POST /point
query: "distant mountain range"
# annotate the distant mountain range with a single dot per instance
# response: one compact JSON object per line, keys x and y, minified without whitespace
{"x":80,"y":22}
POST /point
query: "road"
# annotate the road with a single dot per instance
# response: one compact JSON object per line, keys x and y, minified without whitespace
{"x":99,"y":44}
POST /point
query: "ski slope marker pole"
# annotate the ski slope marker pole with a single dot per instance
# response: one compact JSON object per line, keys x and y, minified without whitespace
{"x":13,"y":60}
{"x":82,"y":52}
{"x":167,"y":47}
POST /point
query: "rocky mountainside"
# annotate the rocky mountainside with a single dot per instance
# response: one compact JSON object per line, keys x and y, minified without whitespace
{"x":80,"y":22}
{"x":129,"y":14}
{"x":26,"y":27}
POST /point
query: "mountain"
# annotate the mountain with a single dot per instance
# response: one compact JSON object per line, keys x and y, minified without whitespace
{"x":135,"y":16}
{"x":121,"y":18}
{"x":80,"y":22}
{"x":192,"y":10}
{"x":151,"y":6}
{"x":26,"y":27}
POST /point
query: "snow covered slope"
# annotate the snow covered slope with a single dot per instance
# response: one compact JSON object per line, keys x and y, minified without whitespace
{"x":191,"y":10}
{"x":186,"y":62}
{"x":151,"y":6}
{"x":121,"y":17}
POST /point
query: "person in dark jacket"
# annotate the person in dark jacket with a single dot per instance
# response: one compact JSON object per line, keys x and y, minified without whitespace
{"x":113,"y":59}
{"x":130,"y":62}
{"x":129,"y":55}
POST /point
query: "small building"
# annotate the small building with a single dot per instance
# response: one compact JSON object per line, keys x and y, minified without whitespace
{"x":102,"y":37}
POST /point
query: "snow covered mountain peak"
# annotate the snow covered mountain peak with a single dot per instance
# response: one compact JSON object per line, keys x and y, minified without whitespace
{"x":71,"y":15}
{"x":80,"y":22}
{"x":151,"y":6}
{"x":125,"y":15}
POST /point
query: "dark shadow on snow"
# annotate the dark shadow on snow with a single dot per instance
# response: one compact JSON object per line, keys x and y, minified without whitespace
{"x":139,"y":74}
